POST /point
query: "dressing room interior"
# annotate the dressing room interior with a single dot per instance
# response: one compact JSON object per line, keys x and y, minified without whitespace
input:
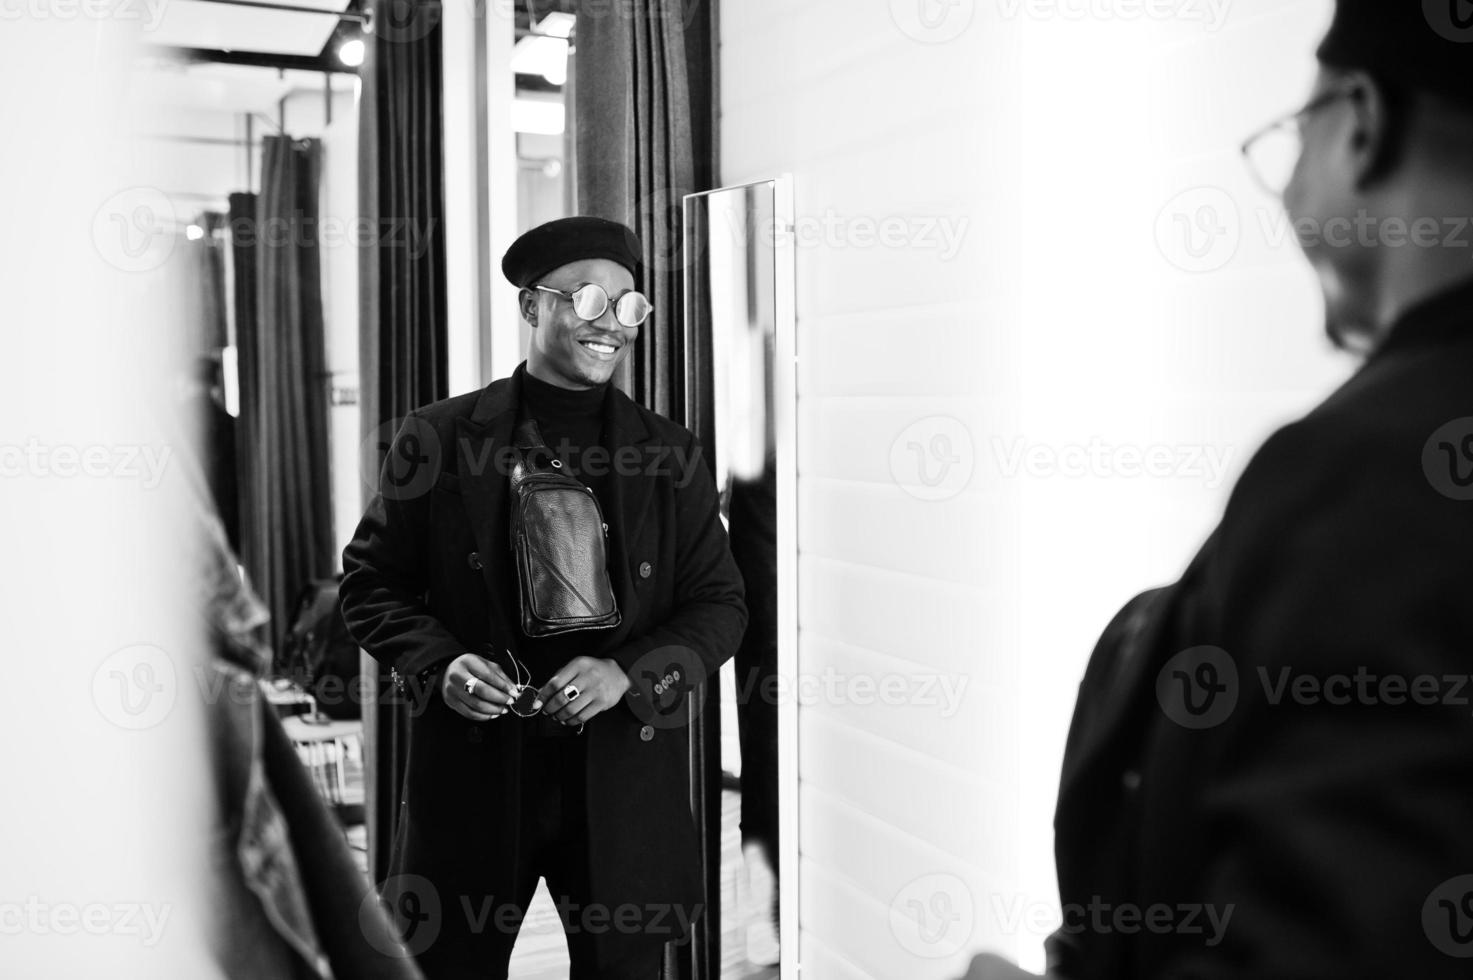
{"x":972,"y":315}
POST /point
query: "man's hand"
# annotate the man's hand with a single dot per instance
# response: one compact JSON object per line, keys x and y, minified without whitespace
{"x":487,"y":698}
{"x":600,"y":684}
{"x":990,"y":966}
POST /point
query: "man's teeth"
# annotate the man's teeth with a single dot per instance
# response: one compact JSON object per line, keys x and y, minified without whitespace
{"x":600,"y":348}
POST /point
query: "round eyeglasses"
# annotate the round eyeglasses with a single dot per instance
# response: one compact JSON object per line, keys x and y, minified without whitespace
{"x":1273,"y":152}
{"x":590,"y":301}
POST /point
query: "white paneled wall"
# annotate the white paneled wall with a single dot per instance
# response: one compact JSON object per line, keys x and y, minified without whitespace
{"x":1002,"y":320}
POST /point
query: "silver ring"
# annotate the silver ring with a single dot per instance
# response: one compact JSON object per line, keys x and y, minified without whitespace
{"x":470,"y":686}
{"x":570,"y":692}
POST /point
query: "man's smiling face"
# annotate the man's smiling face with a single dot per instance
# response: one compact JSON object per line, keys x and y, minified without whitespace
{"x":567,"y":350}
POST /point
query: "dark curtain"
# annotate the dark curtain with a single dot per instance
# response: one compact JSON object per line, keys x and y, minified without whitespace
{"x":402,"y":307}
{"x":286,"y":519}
{"x":241,"y":224}
{"x":644,"y":88}
{"x":643,"y":97}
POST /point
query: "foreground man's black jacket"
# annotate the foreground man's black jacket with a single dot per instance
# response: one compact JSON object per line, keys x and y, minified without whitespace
{"x":1284,"y":738}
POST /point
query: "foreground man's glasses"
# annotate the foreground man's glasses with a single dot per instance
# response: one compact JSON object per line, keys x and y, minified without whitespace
{"x":1274,"y":151}
{"x":590,"y":301}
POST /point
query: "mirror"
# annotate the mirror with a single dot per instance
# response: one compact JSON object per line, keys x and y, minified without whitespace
{"x":739,"y":323}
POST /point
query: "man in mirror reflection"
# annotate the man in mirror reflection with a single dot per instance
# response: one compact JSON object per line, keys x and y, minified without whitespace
{"x":1270,"y":769}
{"x":562,"y":757}
{"x":752,"y":509}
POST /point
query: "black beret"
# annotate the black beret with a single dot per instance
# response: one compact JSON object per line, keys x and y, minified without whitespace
{"x":555,"y":244}
{"x":1420,"y":44}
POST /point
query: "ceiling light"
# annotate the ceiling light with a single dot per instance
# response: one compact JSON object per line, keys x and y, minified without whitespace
{"x":558,"y":24}
{"x":350,"y":52}
{"x":545,"y":51}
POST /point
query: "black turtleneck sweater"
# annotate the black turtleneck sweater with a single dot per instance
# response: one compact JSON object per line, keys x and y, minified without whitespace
{"x":571,"y":423}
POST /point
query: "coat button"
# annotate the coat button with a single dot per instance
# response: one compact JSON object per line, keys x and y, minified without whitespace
{"x":646,"y":733}
{"x":1131,"y":780}
{"x":474,"y":560}
{"x":645,"y":568}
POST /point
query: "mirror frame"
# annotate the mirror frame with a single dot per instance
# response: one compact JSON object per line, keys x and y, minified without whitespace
{"x":785,"y":432}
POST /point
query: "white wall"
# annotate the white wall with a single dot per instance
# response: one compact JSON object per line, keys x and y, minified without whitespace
{"x":108,"y":806}
{"x":1069,"y":146}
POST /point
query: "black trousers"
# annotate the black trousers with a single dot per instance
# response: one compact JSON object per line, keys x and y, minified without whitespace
{"x":554,"y":846}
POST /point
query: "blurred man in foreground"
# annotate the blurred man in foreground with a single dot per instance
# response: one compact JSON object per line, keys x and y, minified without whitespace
{"x":1270,"y":769}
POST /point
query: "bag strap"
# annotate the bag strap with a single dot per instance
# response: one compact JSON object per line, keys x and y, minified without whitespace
{"x":528,"y":435}
{"x":533,"y":454}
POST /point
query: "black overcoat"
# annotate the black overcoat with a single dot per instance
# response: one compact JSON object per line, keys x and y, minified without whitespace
{"x":1284,"y":737}
{"x":417,"y":592}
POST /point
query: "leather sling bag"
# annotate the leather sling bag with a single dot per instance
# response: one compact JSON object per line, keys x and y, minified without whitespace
{"x":560,"y":542}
